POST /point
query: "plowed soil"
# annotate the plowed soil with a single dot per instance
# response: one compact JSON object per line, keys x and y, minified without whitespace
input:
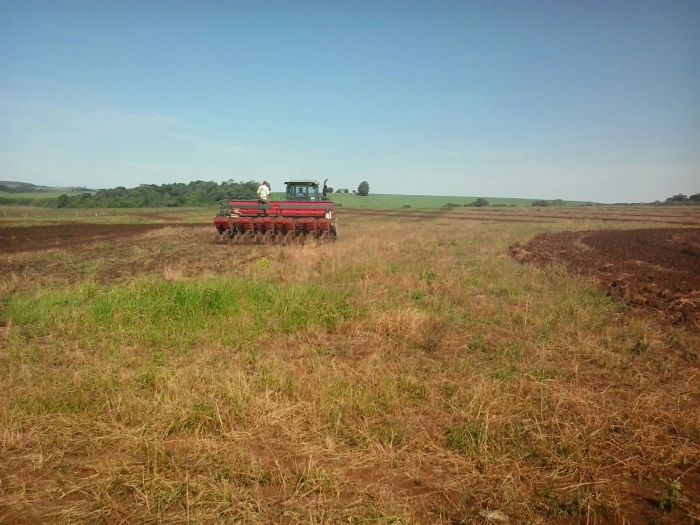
{"x":654,"y":269}
{"x":21,"y":239}
{"x":68,"y":253}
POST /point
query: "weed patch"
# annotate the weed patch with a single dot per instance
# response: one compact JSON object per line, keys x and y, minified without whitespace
{"x":571,"y":507}
{"x":164,"y":314}
{"x":671,"y":496}
{"x":466,"y":438}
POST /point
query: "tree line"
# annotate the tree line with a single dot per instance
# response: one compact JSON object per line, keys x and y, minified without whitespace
{"x":195,"y":193}
{"x":681,"y":198}
{"x":179,"y":194}
{"x":362,"y":189}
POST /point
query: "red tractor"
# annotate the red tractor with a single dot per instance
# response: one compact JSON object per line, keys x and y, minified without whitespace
{"x":305,"y":213}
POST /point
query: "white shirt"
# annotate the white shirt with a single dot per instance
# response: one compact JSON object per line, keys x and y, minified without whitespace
{"x":263,"y":192}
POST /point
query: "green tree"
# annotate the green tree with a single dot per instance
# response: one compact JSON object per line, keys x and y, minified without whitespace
{"x":680,"y":197}
{"x":195,"y":193}
{"x":62,"y":201}
{"x":363,"y":188}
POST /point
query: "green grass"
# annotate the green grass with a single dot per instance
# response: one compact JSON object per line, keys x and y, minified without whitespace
{"x":671,"y":497}
{"x":391,"y":201}
{"x":465,"y":438}
{"x":384,"y":201}
{"x":172,"y":314}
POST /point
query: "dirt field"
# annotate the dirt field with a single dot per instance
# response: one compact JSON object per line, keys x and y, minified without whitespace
{"x":411,"y":372}
{"x":114,"y":252}
{"x":67,"y":236}
{"x":657,"y":269}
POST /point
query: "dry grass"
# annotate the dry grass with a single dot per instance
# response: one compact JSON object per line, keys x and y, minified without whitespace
{"x":396,"y":376}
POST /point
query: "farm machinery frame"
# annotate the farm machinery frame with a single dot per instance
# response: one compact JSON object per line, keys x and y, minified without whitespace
{"x":304,"y":213}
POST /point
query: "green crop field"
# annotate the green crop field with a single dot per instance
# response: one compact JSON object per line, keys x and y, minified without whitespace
{"x":385,"y":201}
{"x":390,"y":201}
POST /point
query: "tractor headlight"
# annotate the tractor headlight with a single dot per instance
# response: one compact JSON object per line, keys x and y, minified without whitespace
{"x":329,"y":215}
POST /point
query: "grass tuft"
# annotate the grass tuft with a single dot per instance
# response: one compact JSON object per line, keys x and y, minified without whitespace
{"x":466,"y":438}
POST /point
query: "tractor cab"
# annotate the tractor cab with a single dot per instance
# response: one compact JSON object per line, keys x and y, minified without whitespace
{"x":305,"y":190}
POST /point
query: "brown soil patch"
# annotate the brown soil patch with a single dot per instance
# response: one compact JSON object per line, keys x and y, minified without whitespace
{"x":530,"y":215}
{"x":70,"y":253}
{"x":23,"y":239}
{"x":441,"y":214}
{"x":656,"y":269}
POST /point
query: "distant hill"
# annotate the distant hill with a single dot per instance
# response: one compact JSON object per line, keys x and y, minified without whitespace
{"x":9,"y":186}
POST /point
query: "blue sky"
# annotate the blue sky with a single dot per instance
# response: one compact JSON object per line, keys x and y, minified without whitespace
{"x":589,"y":100}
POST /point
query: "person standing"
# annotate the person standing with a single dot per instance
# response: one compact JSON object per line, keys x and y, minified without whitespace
{"x":264,"y":192}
